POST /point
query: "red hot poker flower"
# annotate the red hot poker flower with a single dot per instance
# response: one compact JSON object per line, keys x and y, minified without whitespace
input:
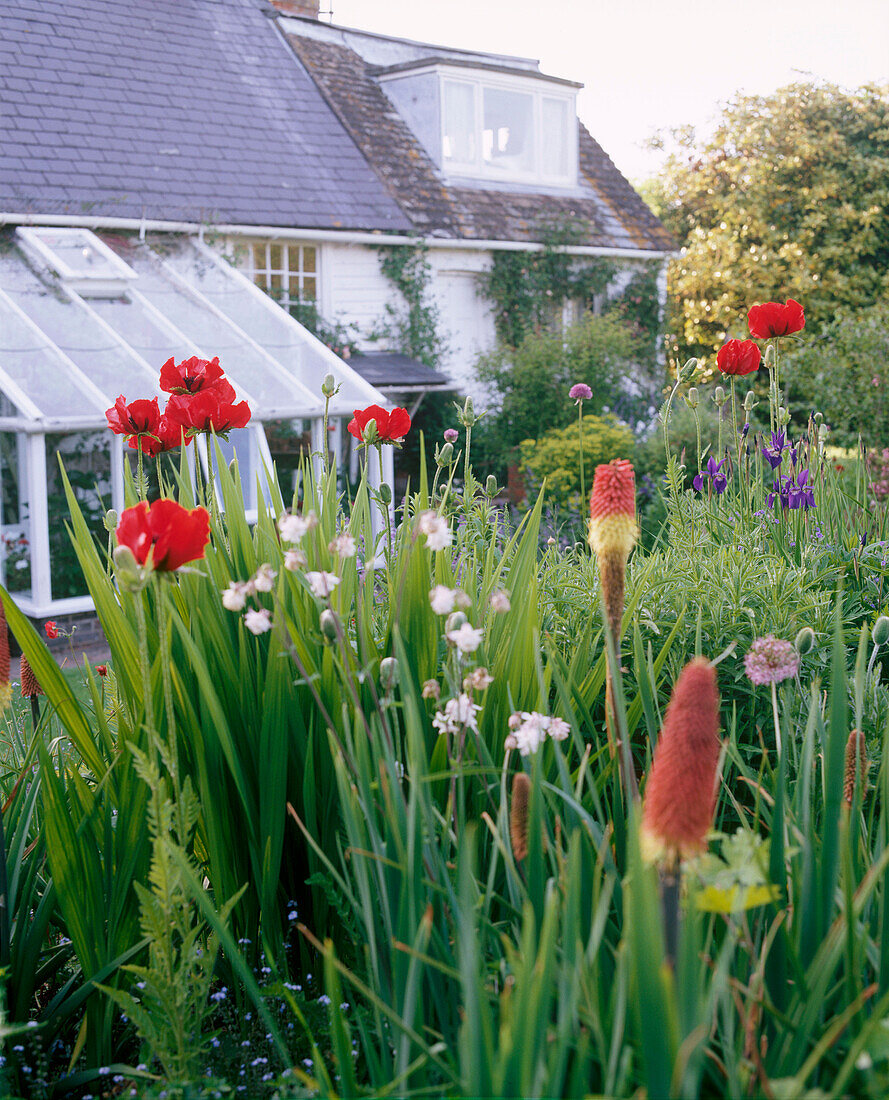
{"x":392,"y":426}
{"x":191,"y":375}
{"x":738,"y":357}
{"x":775,"y":319}
{"x":208,"y":410}
{"x":164,"y":533}
{"x":613,"y":507}
{"x":137,"y":418}
{"x":680,"y":795}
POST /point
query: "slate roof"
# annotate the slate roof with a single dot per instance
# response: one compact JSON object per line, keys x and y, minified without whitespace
{"x":191,"y":110}
{"x":611,"y":212}
{"x":390,"y":370}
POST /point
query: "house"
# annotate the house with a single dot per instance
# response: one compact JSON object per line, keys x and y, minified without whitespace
{"x":162,"y":163}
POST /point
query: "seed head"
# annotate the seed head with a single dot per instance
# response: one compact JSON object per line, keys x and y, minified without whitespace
{"x":518,"y":814}
{"x":856,"y":766}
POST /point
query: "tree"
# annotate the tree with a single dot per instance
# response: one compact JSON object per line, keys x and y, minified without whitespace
{"x":788,"y":198}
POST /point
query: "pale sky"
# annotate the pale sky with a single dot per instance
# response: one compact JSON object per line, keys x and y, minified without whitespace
{"x":651,"y":64}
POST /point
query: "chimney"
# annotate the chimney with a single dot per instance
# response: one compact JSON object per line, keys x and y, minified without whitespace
{"x":307,"y":8}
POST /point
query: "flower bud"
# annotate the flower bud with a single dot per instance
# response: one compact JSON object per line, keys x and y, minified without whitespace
{"x":388,"y":673}
{"x":692,"y":398}
{"x":329,"y":386}
{"x":466,"y":415}
{"x":823,"y":433}
{"x":783,"y":416}
{"x":750,"y":401}
{"x":444,"y":455}
{"x":110,"y":521}
{"x":454,"y":621}
{"x":130,"y":574}
{"x":770,"y":357}
{"x":805,"y":641}
{"x":491,"y":486}
{"x":719,"y":397}
{"x":818,"y":418}
{"x":328,"y":624}
{"x":370,"y":434}
{"x":880,"y":632}
{"x":451,"y":435}
{"x":688,"y":370}
{"x":385,"y":493}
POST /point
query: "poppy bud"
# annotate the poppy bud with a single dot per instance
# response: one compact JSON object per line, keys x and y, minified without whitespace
{"x":110,"y":521}
{"x":130,"y":574}
{"x":770,"y":357}
{"x":370,"y":434}
{"x":783,"y":416}
{"x":444,"y":455}
{"x":805,"y":641}
{"x":385,"y":493}
{"x":388,"y":673}
{"x":491,"y":486}
{"x":454,"y":621}
{"x":328,"y":386}
{"x":750,"y":401}
{"x":880,"y":632}
{"x":328,"y":624}
{"x":688,"y":370}
{"x":719,"y":397}
{"x":692,"y":398}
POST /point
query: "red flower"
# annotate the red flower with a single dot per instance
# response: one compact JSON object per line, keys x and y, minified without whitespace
{"x":192,"y":375}
{"x":738,"y":357}
{"x":392,"y":426}
{"x":137,"y":418}
{"x":680,"y":795}
{"x":167,"y":436}
{"x":775,"y":319}
{"x":164,"y":532}
{"x":208,"y":410}
{"x":51,"y":629}
{"x":102,"y":670}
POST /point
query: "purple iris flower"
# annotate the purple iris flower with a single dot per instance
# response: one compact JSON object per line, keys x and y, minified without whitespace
{"x":800,"y":494}
{"x":718,"y":480}
{"x":773,"y":451}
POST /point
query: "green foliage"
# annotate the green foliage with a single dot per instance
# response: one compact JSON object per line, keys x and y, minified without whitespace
{"x":555,"y":457}
{"x":415,"y":327}
{"x":529,"y":289}
{"x":530,"y":383}
{"x":844,"y":374}
{"x":787,"y":198}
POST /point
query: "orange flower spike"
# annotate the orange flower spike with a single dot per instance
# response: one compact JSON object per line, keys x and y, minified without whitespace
{"x":680,"y":795}
{"x":613,"y":532}
{"x":30,"y":683}
{"x":5,"y":685}
{"x":857,"y":764}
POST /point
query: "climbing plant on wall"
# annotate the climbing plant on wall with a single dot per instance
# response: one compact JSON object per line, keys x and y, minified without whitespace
{"x":412,"y":326}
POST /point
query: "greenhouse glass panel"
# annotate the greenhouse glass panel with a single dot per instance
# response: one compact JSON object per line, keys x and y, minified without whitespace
{"x":15,"y":522}
{"x":87,"y":460}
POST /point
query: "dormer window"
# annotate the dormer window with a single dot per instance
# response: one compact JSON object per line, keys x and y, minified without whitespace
{"x":488,"y":123}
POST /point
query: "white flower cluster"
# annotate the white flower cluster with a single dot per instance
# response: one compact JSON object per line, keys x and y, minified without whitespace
{"x":530,"y":730}
{"x":343,"y":545}
{"x":458,"y":713}
{"x":321,"y":583}
{"x":443,"y":599}
{"x":293,"y":528}
{"x":234,"y":598}
{"x":435,"y":528}
{"x":466,"y":638}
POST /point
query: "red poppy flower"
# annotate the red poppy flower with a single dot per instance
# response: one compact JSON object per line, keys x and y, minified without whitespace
{"x":392,"y":426}
{"x":167,"y":437}
{"x":738,"y":357}
{"x":775,"y":319}
{"x":208,"y":410}
{"x":136,"y":418}
{"x":192,"y":375}
{"x":51,"y":629}
{"x":165,"y":532}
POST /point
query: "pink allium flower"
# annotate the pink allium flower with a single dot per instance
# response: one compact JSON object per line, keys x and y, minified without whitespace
{"x":451,"y":435}
{"x":580,"y":391}
{"x":770,"y":660}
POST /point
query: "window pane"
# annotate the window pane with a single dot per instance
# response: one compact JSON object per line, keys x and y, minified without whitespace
{"x":309,"y":259}
{"x":508,"y":131}
{"x":309,"y":290}
{"x":293,"y":252}
{"x":555,"y":138}
{"x":258,"y":257}
{"x":87,"y":459}
{"x":459,"y":123}
{"x":275,"y":257}
{"x":15,"y":523}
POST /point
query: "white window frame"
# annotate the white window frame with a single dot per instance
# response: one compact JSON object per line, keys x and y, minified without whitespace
{"x":290,"y":279}
{"x":539,"y":91}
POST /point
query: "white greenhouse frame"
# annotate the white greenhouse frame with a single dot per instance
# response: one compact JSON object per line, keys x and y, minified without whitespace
{"x":71,"y":341}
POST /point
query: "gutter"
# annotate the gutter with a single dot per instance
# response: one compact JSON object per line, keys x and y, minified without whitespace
{"x":277,"y":232}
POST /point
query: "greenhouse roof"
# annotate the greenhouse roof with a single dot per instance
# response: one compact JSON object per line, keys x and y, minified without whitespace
{"x":84,"y":319}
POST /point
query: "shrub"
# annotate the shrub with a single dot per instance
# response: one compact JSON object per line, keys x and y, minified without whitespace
{"x":844,"y":374}
{"x":555,"y":456}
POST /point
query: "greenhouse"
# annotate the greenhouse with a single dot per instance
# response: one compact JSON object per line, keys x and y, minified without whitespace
{"x":84,"y":319}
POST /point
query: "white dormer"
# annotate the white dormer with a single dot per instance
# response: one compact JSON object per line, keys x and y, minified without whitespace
{"x":82,"y":261}
{"x":489,"y":123}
